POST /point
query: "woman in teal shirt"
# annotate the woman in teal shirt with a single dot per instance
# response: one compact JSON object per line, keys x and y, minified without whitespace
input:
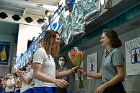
{"x":112,"y":71}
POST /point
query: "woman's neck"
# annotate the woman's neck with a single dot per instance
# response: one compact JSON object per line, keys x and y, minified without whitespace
{"x":108,"y":48}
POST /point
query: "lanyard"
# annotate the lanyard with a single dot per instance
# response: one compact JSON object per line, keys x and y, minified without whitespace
{"x":107,"y":53}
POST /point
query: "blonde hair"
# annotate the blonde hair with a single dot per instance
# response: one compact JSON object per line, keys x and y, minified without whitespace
{"x":49,"y":42}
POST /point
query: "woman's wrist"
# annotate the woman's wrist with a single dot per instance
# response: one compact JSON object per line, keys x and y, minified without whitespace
{"x":105,"y":85}
{"x":54,"y":81}
{"x":71,"y":70}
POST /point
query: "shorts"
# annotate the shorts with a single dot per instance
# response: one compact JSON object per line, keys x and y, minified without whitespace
{"x":117,"y":88}
{"x":17,"y":91}
{"x":28,"y":91}
{"x":45,"y":90}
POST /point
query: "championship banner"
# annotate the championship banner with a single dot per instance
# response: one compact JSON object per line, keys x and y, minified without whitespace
{"x":4,"y":52}
{"x":132,"y":52}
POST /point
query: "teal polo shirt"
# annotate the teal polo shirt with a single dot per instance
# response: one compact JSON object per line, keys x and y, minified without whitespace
{"x":110,"y":61}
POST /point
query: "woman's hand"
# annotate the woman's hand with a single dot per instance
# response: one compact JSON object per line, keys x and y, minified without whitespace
{"x":61,"y":83}
{"x":100,"y":89}
{"x":81,"y":72}
{"x":74,"y":69}
{"x":18,"y":72}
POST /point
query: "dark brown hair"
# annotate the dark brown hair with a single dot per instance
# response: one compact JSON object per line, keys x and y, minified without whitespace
{"x":63,"y":57}
{"x":49,"y":40}
{"x":114,"y":40}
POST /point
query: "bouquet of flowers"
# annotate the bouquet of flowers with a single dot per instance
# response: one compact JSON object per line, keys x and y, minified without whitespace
{"x":76,"y":57}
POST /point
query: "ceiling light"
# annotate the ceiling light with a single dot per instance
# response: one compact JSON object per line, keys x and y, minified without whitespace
{"x":40,"y":21}
{"x":3,"y":15}
{"x":28,"y":19}
{"x":16,"y":17}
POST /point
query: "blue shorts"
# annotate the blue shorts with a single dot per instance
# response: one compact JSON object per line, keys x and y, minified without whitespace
{"x":17,"y":91}
{"x":29,"y":91}
{"x":10,"y":92}
{"x":2,"y":90}
{"x":45,"y":90}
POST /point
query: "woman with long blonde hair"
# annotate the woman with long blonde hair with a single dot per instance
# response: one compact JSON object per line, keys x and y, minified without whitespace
{"x":44,"y":68}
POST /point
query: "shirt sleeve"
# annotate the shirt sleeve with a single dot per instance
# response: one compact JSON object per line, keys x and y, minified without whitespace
{"x":38,"y":56}
{"x":117,"y":58}
{"x":30,"y":74}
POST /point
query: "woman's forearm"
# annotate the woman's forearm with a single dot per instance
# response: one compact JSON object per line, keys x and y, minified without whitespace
{"x":26,"y":80}
{"x":119,"y":77}
{"x":94,"y":75}
{"x":114,"y":80}
{"x":44,"y":78}
{"x":63,"y":73}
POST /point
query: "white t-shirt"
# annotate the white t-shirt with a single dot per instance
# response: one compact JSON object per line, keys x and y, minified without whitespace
{"x":26,"y":86}
{"x":48,"y":66}
{"x":9,"y":82}
{"x":31,"y":76}
{"x":23,"y":87}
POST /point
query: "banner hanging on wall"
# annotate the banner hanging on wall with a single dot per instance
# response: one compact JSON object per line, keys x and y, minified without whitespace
{"x":92,"y":63}
{"x":132,"y":52}
{"x":4,"y":52}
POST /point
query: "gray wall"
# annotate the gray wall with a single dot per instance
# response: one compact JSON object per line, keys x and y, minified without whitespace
{"x":131,"y":83}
